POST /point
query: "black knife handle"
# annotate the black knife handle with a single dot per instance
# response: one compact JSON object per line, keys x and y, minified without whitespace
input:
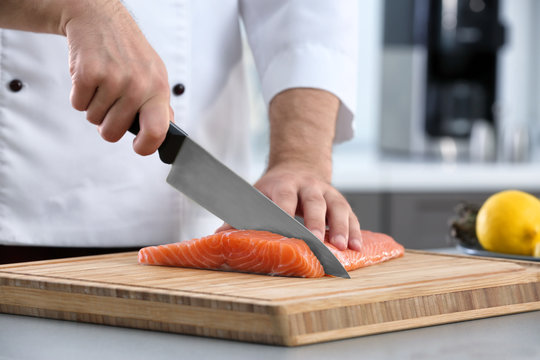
{"x":172,"y":143}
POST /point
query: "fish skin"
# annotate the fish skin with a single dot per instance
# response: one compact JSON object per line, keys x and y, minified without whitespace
{"x":264,"y":252}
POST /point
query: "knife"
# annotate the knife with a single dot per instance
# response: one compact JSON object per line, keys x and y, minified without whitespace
{"x":218,"y":189}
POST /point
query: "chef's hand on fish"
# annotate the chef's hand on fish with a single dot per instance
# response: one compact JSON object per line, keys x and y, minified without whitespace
{"x":298,"y":177}
{"x":115,"y":72}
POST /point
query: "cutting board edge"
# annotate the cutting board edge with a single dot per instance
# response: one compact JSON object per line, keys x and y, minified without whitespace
{"x":122,"y":291}
{"x":110,"y":310}
{"x":280,"y":331}
{"x":224,"y":334}
{"x":442,"y":319}
{"x":282,"y":336}
{"x":276,"y":326}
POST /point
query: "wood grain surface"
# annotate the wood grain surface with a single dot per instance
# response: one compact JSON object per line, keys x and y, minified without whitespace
{"x":419,"y":289}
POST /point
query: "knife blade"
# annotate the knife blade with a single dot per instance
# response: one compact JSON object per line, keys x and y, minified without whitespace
{"x":211,"y":184}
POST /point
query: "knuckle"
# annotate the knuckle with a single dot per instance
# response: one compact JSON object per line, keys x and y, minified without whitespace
{"x":154,"y":134}
{"x":131,"y":100}
{"x":312,"y":195}
{"x":314,"y":204}
{"x":136,"y":89}
{"x":311,"y":182}
{"x":91,"y":74}
{"x":94,"y":120}
{"x":109,"y":134}
{"x":338,"y":201}
{"x":144,"y":148}
{"x":115,"y":82}
{"x":81,"y":82}
{"x":161,"y":83}
{"x":354,"y":223}
{"x":284,"y":192}
{"x":314,"y":220}
{"x":159,"y":73}
{"x":78,"y":103}
{"x":94,"y":117}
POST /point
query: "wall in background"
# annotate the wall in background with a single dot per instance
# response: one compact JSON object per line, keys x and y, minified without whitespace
{"x":519,"y":64}
{"x":370,"y":28}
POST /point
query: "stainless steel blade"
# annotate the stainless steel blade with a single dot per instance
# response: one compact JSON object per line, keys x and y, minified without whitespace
{"x":218,"y":189}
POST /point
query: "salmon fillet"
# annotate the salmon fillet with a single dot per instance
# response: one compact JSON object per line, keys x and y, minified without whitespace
{"x":264,"y":252}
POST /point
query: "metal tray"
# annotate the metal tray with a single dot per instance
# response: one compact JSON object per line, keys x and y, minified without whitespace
{"x":476,"y":252}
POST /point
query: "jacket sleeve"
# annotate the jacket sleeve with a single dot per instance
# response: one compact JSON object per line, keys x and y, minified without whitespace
{"x":306,"y":43}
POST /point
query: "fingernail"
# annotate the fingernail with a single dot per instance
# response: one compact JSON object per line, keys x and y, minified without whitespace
{"x":318,"y":234}
{"x":340,"y":242}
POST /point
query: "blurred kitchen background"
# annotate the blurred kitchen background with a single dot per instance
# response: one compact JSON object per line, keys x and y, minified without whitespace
{"x":448,"y":112}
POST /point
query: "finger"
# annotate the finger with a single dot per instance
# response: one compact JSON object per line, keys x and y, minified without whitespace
{"x":154,"y":122}
{"x":355,"y":234}
{"x":118,"y":120}
{"x":120,"y":116}
{"x":81,"y":94}
{"x":83,"y":86}
{"x":338,"y":220}
{"x":224,"y":227}
{"x":104,"y":98}
{"x":314,"y":211}
{"x":171,"y":114}
{"x":286,"y":199}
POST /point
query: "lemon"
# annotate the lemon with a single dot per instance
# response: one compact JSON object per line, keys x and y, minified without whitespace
{"x":509,"y":222}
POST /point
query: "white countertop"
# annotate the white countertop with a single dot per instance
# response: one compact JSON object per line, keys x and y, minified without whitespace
{"x":377,"y":172}
{"x":361,"y":168}
{"x":370,"y":172}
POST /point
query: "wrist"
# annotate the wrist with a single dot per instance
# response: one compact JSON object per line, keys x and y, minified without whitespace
{"x":90,"y":12}
{"x":70,"y":10}
{"x":302,"y":163}
{"x":302,"y":129}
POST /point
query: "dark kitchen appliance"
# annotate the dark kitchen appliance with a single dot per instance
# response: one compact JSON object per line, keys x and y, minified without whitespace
{"x":439,"y":73}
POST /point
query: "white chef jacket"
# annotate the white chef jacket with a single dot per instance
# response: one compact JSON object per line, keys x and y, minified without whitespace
{"x":62,"y":185}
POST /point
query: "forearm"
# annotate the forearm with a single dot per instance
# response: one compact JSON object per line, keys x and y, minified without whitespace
{"x":32,"y":15}
{"x":49,"y":16}
{"x":302,"y":128}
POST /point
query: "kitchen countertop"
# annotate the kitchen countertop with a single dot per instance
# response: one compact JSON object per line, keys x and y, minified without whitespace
{"x":512,"y":337}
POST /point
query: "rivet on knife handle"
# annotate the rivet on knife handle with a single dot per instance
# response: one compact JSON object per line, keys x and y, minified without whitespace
{"x":172,"y":143}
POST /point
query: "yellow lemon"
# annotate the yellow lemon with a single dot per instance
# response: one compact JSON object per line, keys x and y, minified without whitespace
{"x":509,"y":222}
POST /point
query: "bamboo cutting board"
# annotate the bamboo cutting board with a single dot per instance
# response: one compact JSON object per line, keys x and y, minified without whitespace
{"x":419,"y":289}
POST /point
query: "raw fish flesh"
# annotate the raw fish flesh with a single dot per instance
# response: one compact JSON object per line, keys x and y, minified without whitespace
{"x":266,"y":253}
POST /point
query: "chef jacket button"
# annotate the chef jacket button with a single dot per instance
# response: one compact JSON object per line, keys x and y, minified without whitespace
{"x":178,"y":89}
{"x":15,"y":85}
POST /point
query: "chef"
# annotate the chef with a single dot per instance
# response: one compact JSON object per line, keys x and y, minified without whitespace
{"x":69,"y":67}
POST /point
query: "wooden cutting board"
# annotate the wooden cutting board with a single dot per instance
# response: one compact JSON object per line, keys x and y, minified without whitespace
{"x":416,"y":290}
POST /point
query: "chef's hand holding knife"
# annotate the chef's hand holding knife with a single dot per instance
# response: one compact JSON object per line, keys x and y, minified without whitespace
{"x":116,"y":74}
